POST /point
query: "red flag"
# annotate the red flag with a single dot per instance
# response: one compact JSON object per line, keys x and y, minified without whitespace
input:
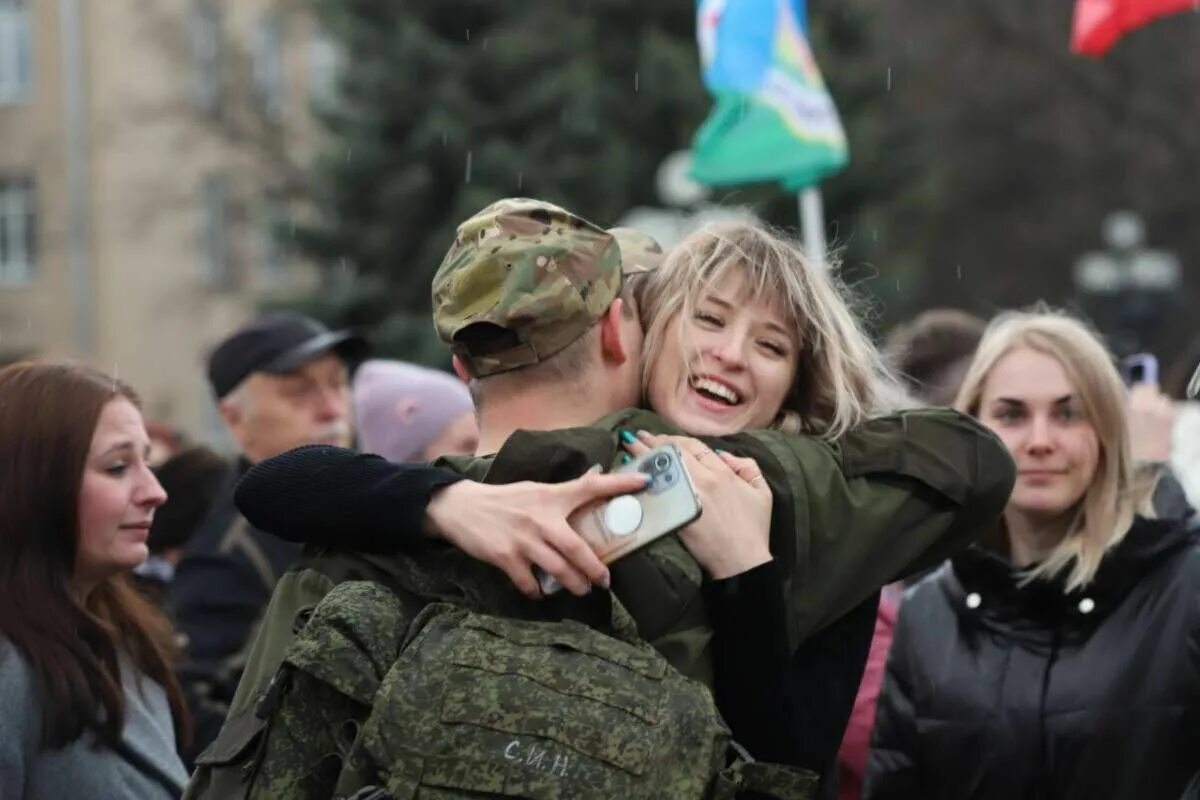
{"x":1099,"y":23}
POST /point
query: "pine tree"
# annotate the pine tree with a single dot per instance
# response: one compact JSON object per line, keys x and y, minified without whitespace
{"x":447,"y":105}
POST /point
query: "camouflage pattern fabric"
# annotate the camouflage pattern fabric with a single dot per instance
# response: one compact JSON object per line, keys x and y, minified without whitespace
{"x":537,"y":272}
{"x":478,"y":705}
{"x":325,"y":689}
{"x":453,"y":703}
{"x":897,"y":495}
{"x":763,"y":779}
{"x":639,"y":251}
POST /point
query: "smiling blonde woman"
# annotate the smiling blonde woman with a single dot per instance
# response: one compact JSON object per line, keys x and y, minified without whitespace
{"x":742,"y":298}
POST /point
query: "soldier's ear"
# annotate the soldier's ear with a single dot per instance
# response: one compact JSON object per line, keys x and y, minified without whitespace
{"x":612,"y":345}
{"x":460,"y":370}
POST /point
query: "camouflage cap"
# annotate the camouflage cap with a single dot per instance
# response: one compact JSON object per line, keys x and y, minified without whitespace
{"x":534,"y":277}
{"x":639,"y":251}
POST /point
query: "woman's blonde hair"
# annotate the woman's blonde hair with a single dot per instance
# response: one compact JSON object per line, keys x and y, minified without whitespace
{"x":841,"y":378}
{"x":1107,"y":509}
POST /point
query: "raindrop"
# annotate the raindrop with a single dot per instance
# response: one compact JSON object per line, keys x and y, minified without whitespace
{"x":636,"y":79}
{"x":348,"y":149}
{"x":485,"y":42}
{"x":292,"y":226}
{"x":470,"y":155}
{"x":520,"y":179}
{"x":443,"y":138}
{"x":959,"y":268}
{"x":468,"y":34}
{"x":874,"y":234}
{"x":897,"y":286}
{"x":343,"y":265}
{"x":889,"y":79}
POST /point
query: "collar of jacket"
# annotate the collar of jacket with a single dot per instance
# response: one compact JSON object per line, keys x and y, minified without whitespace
{"x":984,"y":587}
{"x":560,"y":454}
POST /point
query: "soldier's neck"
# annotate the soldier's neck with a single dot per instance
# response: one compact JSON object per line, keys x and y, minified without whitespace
{"x":537,"y":409}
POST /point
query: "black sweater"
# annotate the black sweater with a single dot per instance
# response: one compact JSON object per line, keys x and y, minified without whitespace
{"x":784,"y":707}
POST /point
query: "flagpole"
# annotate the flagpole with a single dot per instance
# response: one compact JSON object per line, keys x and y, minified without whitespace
{"x":812,"y":223}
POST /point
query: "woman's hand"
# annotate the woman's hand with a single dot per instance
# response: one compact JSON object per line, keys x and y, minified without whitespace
{"x":733,"y":532}
{"x":518,"y":526}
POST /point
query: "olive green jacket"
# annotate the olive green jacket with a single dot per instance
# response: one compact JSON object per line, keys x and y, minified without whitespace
{"x":891,"y":497}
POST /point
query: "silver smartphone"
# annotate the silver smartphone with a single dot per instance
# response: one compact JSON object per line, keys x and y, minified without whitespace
{"x":618,"y":526}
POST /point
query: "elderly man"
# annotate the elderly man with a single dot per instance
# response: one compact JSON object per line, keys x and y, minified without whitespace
{"x":280,"y":381}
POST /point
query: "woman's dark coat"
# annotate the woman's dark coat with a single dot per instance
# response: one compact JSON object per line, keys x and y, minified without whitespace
{"x":995,"y":690}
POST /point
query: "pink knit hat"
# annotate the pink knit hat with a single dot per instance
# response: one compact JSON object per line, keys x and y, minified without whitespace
{"x":400,"y":408}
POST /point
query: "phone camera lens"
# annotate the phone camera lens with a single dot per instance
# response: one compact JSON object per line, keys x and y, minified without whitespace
{"x":661,"y":462}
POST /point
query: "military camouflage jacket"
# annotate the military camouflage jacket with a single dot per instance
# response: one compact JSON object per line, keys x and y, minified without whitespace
{"x":892,"y":497}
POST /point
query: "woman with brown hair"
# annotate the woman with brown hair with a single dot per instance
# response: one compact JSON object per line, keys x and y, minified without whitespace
{"x":90,"y":704}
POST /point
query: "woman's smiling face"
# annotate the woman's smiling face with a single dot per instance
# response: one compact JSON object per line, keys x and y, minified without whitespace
{"x":726,"y":364}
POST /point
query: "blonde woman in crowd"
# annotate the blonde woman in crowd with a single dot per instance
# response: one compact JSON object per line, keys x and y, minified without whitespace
{"x":1060,"y":658}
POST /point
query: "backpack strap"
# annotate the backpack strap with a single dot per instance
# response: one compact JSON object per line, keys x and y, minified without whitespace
{"x":371,"y":793}
{"x":624,"y":627}
{"x":765,"y":780}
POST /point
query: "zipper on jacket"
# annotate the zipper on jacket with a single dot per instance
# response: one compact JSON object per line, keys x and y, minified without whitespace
{"x":1043,"y":781}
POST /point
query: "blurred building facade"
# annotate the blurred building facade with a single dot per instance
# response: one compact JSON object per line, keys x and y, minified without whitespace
{"x":149,"y":153}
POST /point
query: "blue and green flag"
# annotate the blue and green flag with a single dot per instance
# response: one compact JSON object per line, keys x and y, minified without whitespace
{"x":773,"y":119}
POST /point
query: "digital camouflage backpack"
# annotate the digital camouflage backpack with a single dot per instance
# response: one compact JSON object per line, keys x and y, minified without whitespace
{"x":381,"y":696}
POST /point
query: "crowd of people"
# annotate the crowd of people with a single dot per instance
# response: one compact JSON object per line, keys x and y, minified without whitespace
{"x":961,"y":565}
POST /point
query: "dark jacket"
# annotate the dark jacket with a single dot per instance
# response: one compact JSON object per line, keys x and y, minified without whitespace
{"x":217,"y":597}
{"x":995,"y":690}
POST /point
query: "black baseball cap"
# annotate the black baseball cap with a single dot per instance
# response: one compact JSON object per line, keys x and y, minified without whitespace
{"x":278,"y":342}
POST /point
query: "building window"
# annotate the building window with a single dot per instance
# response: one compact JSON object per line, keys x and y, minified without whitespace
{"x":14,"y":51}
{"x":267,"y":65}
{"x":324,"y":63}
{"x":204,"y":34}
{"x":215,"y":261}
{"x":17,"y":227}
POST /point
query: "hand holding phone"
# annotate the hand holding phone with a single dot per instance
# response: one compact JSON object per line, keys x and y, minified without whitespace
{"x":734,"y":535}
{"x":517,"y":526}
{"x":616,"y":527}
{"x":1140,"y":368}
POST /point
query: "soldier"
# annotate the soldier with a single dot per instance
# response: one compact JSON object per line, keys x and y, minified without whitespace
{"x":530,"y":299}
{"x":280,"y":381}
